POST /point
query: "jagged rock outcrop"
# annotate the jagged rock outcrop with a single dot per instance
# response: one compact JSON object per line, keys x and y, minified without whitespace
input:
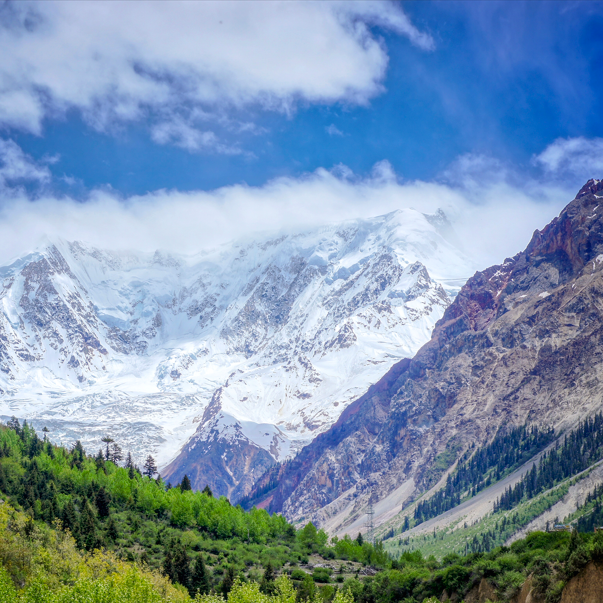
{"x":521,"y":342}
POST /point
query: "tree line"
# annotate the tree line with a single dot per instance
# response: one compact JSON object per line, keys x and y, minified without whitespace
{"x":479,"y":468}
{"x":580,"y":449}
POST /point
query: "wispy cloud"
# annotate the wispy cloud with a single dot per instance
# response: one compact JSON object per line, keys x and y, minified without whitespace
{"x":582,"y":157}
{"x":125,"y":61}
{"x":18,"y":168}
{"x":184,"y":135}
{"x":333,"y":130}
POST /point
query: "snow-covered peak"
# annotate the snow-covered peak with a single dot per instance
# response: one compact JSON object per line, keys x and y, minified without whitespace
{"x":288,"y":327}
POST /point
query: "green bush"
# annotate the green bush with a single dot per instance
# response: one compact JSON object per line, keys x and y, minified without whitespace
{"x":510,"y":583}
{"x":554,"y":593}
{"x":321,"y":574}
{"x":298,"y":574}
{"x":456,"y":578}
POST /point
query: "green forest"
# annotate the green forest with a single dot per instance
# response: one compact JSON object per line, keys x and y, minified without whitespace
{"x":75,"y":527}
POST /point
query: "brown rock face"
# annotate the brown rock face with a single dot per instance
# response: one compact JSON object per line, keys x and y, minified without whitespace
{"x":225,"y":460}
{"x":228,"y":467}
{"x":481,"y":593}
{"x":527,"y":594}
{"x":586,"y":587}
{"x":523,"y":341}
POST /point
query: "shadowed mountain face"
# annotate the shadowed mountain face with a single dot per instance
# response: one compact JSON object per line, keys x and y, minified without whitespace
{"x":521,"y":342}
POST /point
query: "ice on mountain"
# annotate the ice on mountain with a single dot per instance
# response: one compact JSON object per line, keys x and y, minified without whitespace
{"x":290,"y":327}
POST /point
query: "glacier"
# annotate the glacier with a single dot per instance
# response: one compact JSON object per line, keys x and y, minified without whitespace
{"x":262,"y":341}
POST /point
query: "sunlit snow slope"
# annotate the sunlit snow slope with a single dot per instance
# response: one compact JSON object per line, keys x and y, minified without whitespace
{"x":241,"y":354}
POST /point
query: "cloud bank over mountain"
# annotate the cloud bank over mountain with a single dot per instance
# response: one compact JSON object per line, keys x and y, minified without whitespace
{"x":492,"y":206}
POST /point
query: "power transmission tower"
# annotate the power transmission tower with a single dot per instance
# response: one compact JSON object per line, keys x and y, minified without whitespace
{"x":370,"y":526}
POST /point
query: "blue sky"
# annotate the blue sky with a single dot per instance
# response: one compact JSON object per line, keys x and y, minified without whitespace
{"x":119,"y":100}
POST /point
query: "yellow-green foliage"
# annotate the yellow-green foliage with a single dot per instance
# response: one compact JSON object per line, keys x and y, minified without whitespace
{"x":42,"y":565}
{"x":249,"y":592}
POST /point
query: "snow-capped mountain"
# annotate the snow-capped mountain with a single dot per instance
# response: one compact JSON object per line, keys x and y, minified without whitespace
{"x":254,"y":347}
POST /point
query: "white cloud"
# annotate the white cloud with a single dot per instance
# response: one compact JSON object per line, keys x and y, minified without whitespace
{"x":494,"y":214}
{"x":117,"y":61}
{"x":17,"y":168}
{"x":333,"y":130}
{"x":182,"y":134}
{"x":582,"y":157}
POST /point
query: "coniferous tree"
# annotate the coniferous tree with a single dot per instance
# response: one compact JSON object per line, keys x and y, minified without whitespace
{"x":307,"y":589}
{"x":116,"y":453}
{"x":47,"y":511}
{"x":77,"y":455}
{"x":102,"y":501}
{"x":108,"y":440}
{"x":129,"y":460}
{"x":3,"y":482}
{"x":227,"y":581}
{"x":69,"y":518}
{"x":207,"y":490}
{"x":598,"y":546}
{"x":150,"y":468}
{"x":78,"y":451}
{"x":29,"y":498}
{"x":168,"y":564}
{"x":578,"y":556}
{"x":185,"y":484}
{"x":200,"y":583}
{"x":99,"y":459}
{"x":112,"y":529}
{"x":267,"y":585}
{"x":14,"y":425}
{"x":35,"y":446}
{"x":182,"y":566}
{"x":87,"y":528}
{"x":29,"y":525}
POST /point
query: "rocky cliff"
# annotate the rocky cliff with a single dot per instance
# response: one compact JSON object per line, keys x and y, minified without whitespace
{"x":521,"y":342}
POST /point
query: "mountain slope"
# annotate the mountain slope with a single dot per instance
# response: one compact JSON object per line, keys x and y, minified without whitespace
{"x":252,"y":348}
{"x":521,"y":342}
